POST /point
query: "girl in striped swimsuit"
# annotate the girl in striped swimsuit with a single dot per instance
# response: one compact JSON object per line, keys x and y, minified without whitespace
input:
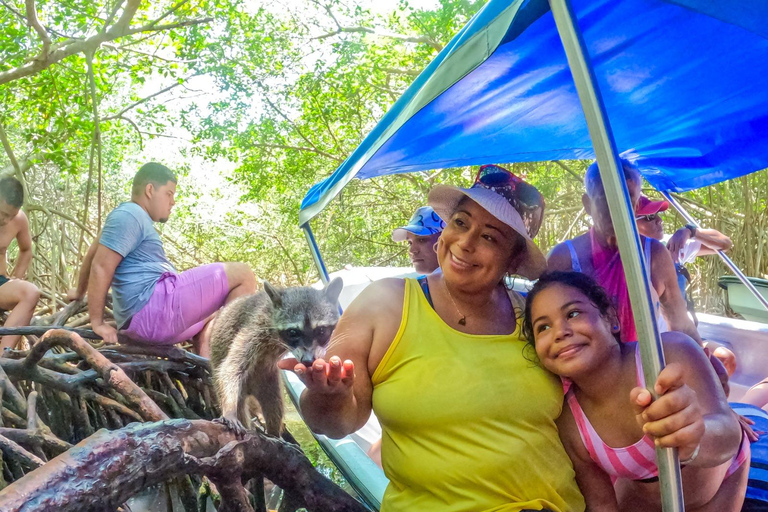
{"x":610,"y":429}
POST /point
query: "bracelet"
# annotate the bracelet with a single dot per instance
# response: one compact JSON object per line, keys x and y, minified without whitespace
{"x":692,"y":229}
{"x":692,"y":457}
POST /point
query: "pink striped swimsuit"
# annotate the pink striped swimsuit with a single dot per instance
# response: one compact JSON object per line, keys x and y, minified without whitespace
{"x":635,"y":462}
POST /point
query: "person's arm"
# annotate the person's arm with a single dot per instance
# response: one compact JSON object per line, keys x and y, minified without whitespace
{"x":559,"y":258}
{"x":121,"y":234}
{"x":594,"y":483}
{"x":103,"y":266}
{"x":673,"y":305}
{"x":692,"y":412}
{"x":24,"y":239}
{"x":711,"y":241}
{"x":338,"y":397}
{"x":85,"y":272}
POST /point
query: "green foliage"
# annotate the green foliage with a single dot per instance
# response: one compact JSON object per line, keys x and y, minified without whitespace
{"x":254,"y":103}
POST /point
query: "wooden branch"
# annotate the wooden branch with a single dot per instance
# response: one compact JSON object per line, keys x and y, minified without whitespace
{"x":32,"y":411}
{"x":35,"y":437}
{"x":109,"y":467}
{"x":383,"y":34}
{"x":159,"y":28}
{"x":141,"y":101}
{"x":401,"y":71}
{"x":33,"y":22}
{"x":167,"y":352}
{"x":299,"y":148}
{"x":39,"y":330}
{"x":9,"y":150}
{"x":13,"y":10}
{"x":96,"y":141}
{"x":170,"y":11}
{"x":68,"y":311}
{"x":570,"y":171}
{"x":298,"y":130}
{"x":111,"y":373}
{"x":71,"y":47}
{"x":112,"y":13}
{"x":51,"y":211}
{"x":14,"y":450}
{"x":12,"y":397}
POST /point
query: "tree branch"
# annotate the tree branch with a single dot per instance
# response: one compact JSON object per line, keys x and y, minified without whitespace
{"x":13,"y":449}
{"x":570,"y":171}
{"x":141,"y":101}
{"x":159,"y":28}
{"x":299,"y":148}
{"x":387,"y":35}
{"x":111,"y":373}
{"x":110,"y":467}
{"x":33,"y":22}
{"x":135,"y":127}
{"x":112,"y":14}
{"x":121,"y":28}
{"x":9,"y":150}
{"x":51,"y":211}
{"x":298,"y":130}
{"x":96,"y":134}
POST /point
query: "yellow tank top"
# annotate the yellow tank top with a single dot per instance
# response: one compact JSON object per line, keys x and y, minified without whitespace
{"x":468,"y":421}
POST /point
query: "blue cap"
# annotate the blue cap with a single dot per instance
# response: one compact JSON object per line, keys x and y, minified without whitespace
{"x":424,"y":222}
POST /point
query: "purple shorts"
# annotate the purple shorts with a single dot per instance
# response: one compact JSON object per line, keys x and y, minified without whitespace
{"x":180,"y":305}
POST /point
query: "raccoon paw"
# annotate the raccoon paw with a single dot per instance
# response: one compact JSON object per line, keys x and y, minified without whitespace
{"x":234,"y":425}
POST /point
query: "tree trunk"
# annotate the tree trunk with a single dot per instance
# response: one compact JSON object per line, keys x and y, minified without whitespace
{"x":108,"y":468}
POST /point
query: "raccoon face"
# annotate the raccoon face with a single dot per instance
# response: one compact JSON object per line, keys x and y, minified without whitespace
{"x":306,"y":342}
{"x":304,"y":318}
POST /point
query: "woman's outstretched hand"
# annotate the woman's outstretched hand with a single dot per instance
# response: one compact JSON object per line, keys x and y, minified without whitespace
{"x":675,"y":419}
{"x":321,"y":377}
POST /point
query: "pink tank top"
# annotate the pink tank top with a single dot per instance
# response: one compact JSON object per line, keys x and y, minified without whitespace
{"x":637,"y":461}
{"x":610,"y":275}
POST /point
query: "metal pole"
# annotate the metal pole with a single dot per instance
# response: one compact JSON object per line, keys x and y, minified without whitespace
{"x":315,"y":250}
{"x":622,"y":216}
{"x":744,"y":279}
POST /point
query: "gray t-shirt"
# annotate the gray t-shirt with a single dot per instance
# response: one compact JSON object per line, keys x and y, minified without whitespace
{"x":129,"y":231}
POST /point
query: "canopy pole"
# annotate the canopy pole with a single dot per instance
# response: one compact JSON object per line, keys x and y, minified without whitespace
{"x":622,"y":216}
{"x":316,"y":256}
{"x":737,"y":272}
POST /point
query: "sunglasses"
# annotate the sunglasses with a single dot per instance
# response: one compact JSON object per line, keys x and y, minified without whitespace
{"x":524,"y":197}
{"x":649,"y":218}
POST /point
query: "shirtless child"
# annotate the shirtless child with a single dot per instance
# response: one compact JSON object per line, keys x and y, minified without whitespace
{"x":16,"y":295}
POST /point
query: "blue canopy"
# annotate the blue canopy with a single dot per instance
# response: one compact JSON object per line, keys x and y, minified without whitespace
{"x":685,"y":85}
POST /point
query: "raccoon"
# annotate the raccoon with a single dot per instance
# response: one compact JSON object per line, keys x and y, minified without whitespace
{"x":252,"y":333}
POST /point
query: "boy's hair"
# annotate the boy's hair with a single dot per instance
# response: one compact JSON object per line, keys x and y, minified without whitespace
{"x":12,"y":191}
{"x":154,"y":173}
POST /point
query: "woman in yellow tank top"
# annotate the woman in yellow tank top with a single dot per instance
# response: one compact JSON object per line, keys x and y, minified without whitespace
{"x":468,"y":419}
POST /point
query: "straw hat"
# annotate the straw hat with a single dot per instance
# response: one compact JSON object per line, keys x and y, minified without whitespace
{"x":507,"y":197}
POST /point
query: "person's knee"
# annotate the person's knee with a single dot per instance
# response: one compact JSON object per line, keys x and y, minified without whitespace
{"x":29,"y":295}
{"x":240,"y":274}
{"x":728,"y":359}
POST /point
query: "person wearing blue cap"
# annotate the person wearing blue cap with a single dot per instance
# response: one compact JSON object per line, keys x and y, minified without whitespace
{"x":421,"y":233}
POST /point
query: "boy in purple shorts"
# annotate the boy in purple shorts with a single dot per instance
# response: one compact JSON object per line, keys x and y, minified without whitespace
{"x":151,"y":301}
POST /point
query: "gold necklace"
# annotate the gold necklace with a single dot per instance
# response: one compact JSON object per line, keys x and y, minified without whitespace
{"x":463,"y":319}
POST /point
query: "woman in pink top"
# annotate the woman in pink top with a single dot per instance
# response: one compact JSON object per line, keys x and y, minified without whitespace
{"x":610,"y":428}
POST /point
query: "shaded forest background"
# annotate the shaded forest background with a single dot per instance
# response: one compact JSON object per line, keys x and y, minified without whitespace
{"x":252,"y":103}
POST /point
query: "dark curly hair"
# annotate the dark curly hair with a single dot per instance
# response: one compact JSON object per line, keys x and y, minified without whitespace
{"x":582,"y":282}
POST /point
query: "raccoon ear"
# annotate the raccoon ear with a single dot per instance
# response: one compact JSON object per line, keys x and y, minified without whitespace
{"x":333,"y":289}
{"x":273,"y":293}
